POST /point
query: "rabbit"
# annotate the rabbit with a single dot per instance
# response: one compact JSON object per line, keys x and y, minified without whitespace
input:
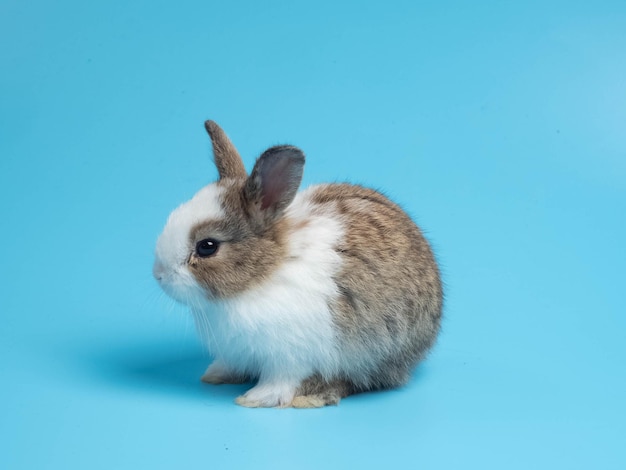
{"x":313,"y":295}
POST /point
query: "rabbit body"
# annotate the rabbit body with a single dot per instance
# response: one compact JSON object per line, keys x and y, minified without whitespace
{"x":315,"y":295}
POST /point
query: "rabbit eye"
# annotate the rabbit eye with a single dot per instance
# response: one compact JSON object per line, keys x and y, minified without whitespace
{"x":207,"y":247}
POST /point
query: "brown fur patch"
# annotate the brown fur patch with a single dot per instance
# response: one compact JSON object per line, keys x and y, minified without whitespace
{"x":390,"y":300}
{"x":227,"y":159}
{"x":315,"y":392}
{"x":248,"y":254}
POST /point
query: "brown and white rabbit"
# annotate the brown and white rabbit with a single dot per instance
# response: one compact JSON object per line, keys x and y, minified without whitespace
{"x":314,"y":295}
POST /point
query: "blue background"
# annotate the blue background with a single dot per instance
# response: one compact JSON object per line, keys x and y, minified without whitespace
{"x":500,"y":126}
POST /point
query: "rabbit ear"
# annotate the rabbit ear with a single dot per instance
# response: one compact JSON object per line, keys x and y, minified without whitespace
{"x":227,"y":159}
{"x":275,"y":179}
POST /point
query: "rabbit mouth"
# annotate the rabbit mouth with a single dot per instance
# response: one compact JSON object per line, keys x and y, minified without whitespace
{"x":158,"y":271}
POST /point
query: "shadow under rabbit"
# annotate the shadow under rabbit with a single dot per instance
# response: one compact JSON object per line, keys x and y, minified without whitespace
{"x":165,"y":369}
{"x":157,"y":368}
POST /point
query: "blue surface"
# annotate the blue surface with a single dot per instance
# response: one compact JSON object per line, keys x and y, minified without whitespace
{"x":500,"y":126}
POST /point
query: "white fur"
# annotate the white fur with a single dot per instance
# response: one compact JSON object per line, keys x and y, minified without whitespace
{"x":282,"y":331}
{"x":174,"y":246}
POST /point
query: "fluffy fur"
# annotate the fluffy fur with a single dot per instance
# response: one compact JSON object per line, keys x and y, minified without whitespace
{"x":315,"y":296}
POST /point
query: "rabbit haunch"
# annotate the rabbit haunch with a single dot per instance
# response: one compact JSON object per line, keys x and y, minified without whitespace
{"x":316,"y":295}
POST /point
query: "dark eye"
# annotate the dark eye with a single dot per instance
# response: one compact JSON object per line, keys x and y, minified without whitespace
{"x":207,"y":247}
